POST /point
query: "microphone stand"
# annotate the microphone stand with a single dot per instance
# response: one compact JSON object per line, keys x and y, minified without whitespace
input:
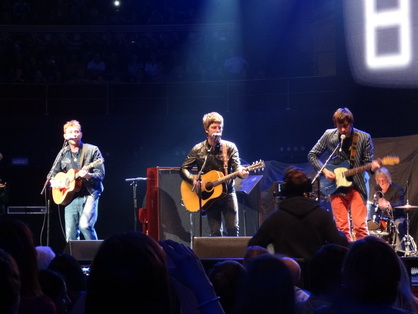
{"x":134,"y":184}
{"x":47,"y":199}
{"x":198,"y":188}
{"x":322,"y":168}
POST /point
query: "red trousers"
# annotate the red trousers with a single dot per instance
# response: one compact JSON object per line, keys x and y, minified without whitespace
{"x":353,"y":202}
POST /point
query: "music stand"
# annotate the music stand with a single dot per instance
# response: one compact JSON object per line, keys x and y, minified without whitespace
{"x":244,"y":187}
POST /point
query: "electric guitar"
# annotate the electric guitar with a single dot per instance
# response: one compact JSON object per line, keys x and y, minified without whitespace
{"x":343,"y":171}
{"x":213,"y":187}
{"x":65,"y":184}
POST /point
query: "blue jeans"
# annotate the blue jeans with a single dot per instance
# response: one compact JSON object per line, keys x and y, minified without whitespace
{"x":228,"y":208}
{"x":80,"y":216}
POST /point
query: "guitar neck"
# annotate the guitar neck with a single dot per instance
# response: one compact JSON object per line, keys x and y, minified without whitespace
{"x":225,"y":178}
{"x":354,"y":171}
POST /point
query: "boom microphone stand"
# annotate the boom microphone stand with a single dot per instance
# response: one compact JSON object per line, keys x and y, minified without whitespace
{"x":323,"y":167}
{"x":47,"y":200}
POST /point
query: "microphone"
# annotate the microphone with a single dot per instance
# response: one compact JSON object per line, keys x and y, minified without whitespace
{"x":342,"y":137}
{"x":217,"y":135}
{"x":70,"y":138}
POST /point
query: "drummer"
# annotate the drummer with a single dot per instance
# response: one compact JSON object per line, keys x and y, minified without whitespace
{"x":389,"y":195}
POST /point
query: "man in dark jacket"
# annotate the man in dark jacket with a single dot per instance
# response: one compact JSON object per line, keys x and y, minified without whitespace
{"x":82,"y":164}
{"x":300,"y":226}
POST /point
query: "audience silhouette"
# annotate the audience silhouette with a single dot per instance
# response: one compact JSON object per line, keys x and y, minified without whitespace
{"x":9,"y":284}
{"x":371,"y":276}
{"x":74,"y":277}
{"x":16,"y":238}
{"x":267,"y":287}
{"x":324,"y":277}
{"x":226,"y":277}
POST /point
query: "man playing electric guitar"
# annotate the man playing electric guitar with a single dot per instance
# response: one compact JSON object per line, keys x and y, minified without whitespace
{"x":85,"y":162}
{"x":220,"y":155}
{"x":356,"y":147}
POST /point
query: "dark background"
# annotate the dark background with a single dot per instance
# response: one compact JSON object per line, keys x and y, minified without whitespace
{"x":298,"y":45}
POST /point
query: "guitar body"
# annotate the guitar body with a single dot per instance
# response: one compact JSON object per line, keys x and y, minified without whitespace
{"x":213,"y":188}
{"x":63,"y":196}
{"x":209,"y":193}
{"x":69,"y":184}
{"x":328,"y":187}
{"x":342,"y":172}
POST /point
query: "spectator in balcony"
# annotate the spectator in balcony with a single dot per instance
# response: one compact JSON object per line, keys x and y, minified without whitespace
{"x":96,"y":68}
{"x":235,"y":66}
{"x":156,"y":17}
{"x":18,"y":76}
{"x":21,"y":11}
{"x":75,"y":70}
{"x":152,"y":68}
{"x":135,"y":69}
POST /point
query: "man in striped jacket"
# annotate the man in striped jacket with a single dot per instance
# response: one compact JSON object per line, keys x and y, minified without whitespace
{"x":353,"y":148}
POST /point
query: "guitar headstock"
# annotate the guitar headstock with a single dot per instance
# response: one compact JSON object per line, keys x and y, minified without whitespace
{"x":256,"y":165}
{"x":389,"y":160}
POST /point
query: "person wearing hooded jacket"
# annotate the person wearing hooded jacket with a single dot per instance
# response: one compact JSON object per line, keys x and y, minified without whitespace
{"x":299,"y":227}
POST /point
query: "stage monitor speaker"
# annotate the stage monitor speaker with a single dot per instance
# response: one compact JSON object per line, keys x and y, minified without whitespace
{"x":220,"y":247}
{"x":83,"y":250}
{"x":166,"y":217}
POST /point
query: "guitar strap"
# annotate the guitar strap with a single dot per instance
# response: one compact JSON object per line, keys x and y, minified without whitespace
{"x":225,"y":158}
{"x":353,"y":149}
{"x":79,"y":166}
{"x":82,"y":156}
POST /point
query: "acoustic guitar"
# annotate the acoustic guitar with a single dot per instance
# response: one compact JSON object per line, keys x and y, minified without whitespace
{"x":342,"y":172}
{"x":66,"y":184}
{"x":213,"y":187}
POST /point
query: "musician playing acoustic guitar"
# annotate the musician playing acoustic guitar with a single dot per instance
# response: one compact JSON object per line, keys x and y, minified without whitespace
{"x":356,"y":148}
{"x":223,"y":157}
{"x":77,"y":183}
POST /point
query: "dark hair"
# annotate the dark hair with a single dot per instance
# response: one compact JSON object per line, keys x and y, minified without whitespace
{"x":16,"y":238}
{"x":129,"y":275}
{"x":296,"y":182}
{"x":9,"y":282}
{"x":341,"y":115}
{"x":372,"y":265}
{"x":267,"y":287}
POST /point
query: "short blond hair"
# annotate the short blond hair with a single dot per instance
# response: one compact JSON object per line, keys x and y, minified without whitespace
{"x":73,"y":123}
{"x":212,"y":117}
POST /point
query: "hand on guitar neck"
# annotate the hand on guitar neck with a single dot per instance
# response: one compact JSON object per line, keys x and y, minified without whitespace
{"x":330,"y":175}
{"x":336,"y":176}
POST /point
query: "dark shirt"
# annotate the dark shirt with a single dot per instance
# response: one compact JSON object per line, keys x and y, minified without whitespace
{"x":196,"y":157}
{"x":395,"y":196}
{"x":298,"y":228}
{"x":94,"y":185}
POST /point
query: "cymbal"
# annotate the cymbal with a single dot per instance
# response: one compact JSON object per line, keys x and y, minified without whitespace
{"x":407,"y":206}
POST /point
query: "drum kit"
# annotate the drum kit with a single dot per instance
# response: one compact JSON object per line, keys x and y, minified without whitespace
{"x":384,"y":226}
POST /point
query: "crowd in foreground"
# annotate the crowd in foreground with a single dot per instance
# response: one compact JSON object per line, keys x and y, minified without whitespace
{"x":133,"y":273}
